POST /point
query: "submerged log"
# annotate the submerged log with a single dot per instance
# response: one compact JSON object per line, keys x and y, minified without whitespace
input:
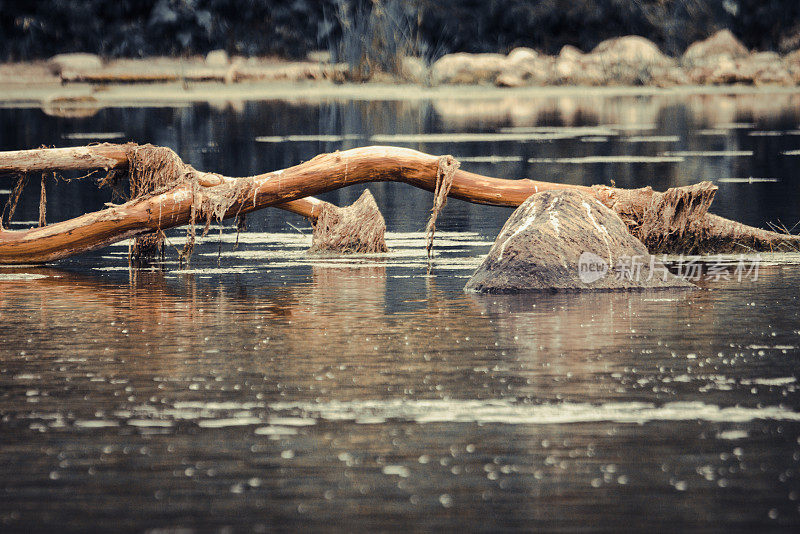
{"x":677,"y":217}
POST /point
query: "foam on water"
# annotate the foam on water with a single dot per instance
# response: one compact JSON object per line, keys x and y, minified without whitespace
{"x":652,"y":139}
{"x":9,"y":277}
{"x":508,"y":412}
{"x":667,"y":158}
{"x":471,"y":137}
{"x":305,"y":138}
{"x":711,"y":153}
{"x":749,"y":180}
{"x":82,"y":136}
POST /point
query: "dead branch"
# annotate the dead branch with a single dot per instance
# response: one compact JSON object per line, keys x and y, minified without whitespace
{"x":677,"y":217}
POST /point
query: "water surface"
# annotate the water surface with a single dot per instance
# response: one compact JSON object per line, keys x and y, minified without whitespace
{"x":266,"y":389}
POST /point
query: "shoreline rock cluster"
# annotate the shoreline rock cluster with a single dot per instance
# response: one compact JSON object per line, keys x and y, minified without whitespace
{"x":622,"y":61}
{"x":630,"y":60}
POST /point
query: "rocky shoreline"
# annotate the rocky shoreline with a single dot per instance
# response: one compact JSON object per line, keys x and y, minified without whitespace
{"x":720,"y":60}
{"x":631,"y":60}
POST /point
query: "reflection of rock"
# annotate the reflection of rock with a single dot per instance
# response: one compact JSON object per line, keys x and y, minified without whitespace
{"x":74,"y":63}
{"x":568,"y":241}
{"x":722,"y":44}
{"x":79,"y":106}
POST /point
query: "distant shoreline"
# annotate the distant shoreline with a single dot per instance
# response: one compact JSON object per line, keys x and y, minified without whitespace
{"x":79,"y":96}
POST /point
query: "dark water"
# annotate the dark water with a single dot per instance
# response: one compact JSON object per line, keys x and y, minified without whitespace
{"x":264,"y":389}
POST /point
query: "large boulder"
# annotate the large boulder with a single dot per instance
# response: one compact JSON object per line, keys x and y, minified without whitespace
{"x":568,"y":241}
{"x":722,"y":44}
{"x":629,"y":60}
{"x":631,"y":50}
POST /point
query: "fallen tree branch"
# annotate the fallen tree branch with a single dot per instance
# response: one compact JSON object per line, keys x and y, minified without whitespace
{"x":108,"y":156}
{"x":677,"y":217}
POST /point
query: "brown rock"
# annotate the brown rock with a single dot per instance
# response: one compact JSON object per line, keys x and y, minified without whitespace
{"x":792,"y":62}
{"x":573,"y":67}
{"x":629,"y":60}
{"x":765,"y":68}
{"x":568,"y":241}
{"x":217,"y":58}
{"x":631,"y":50}
{"x":413,"y":69}
{"x":463,"y":68}
{"x":510,"y":78}
{"x":570,"y":52}
{"x":525,"y":66}
{"x":711,"y":50}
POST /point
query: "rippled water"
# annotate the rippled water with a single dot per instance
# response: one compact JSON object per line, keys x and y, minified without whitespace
{"x":266,"y":389}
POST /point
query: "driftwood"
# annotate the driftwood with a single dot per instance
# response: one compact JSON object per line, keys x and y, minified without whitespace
{"x":673,"y":221}
{"x":358,"y":228}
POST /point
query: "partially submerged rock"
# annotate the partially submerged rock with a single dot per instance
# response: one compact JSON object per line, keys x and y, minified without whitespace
{"x":355,"y":229}
{"x":568,"y":241}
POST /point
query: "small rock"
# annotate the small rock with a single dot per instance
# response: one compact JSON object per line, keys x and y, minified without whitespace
{"x":217,"y":58}
{"x":568,"y":241}
{"x":509,"y":79}
{"x":522,"y":55}
{"x":765,"y":68}
{"x":721,"y":44}
{"x":792,"y":62}
{"x":463,"y":68}
{"x":413,"y":69}
{"x":570,"y":52}
{"x":319,"y":56}
{"x":79,"y":62}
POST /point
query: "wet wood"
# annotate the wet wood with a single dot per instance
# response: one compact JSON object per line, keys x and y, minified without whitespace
{"x":323,"y":173}
{"x":107,"y":156}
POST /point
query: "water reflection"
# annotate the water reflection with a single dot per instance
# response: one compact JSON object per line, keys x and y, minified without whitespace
{"x":554,"y":128}
{"x":208,"y":401}
{"x":264,"y":389}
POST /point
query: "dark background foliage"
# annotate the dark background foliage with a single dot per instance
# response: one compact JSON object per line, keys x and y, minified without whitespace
{"x":291,"y":28}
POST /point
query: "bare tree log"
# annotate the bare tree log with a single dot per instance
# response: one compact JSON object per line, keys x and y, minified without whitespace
{"x":108,"y":156}
{"x":197,"y":195}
